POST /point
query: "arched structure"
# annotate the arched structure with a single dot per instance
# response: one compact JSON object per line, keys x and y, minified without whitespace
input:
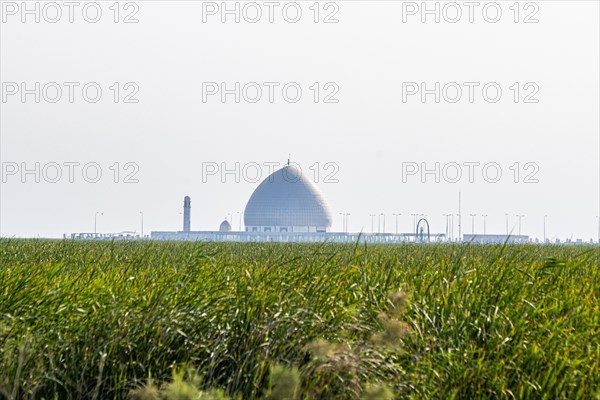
{"x":419,"y":234}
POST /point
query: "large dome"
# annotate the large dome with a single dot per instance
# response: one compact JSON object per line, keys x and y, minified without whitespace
{"x":288,"y":200}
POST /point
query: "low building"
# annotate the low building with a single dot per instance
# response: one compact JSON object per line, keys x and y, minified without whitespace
{"x":296,"y":237}
{"x":495,"y":238}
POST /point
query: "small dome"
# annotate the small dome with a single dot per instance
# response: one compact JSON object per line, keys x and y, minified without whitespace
{"x":288,"y":198}
{"x":225,"y":226}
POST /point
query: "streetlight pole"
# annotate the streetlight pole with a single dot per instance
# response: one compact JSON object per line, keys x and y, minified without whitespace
{"x":459,"y":218}
{"x":484,"y":227}
{"x":520,"y":216}
{"x":459,"y":229}
{"x":142,"y":231}
{"x":396,"y":215}
{"x":473,"y":223}
{"x":96,"y":220}
{"x":383,"y":215}
{"x":414,"y":221}
{"x":545,"y":227}
{"x":344,"y":221}
{"x":447,"y":225}
{"x":240,"y":224}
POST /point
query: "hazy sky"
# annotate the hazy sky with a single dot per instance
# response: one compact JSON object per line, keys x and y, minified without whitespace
{"x":368,"y":130}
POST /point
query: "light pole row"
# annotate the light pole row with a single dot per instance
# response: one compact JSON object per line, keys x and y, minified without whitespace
{"x":381,"y":222}
{"x":344,"y":221}
{"x":101,"y":213}
{"x":450,"y":223}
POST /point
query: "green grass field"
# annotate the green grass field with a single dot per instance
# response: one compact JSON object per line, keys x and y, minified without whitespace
{"x":97,"y":320}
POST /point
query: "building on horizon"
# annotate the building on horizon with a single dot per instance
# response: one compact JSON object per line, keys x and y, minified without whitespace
{"x":286,"y":207}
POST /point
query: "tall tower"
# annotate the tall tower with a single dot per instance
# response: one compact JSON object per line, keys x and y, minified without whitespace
{"x":187,"y":213}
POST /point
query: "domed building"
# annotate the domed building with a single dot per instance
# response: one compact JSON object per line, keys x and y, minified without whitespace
{"x":287,"y":201}
{"x":285,"y":207}
{"x":225,"y":226}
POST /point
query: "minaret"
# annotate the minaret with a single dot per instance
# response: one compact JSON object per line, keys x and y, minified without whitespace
{"x":187,"y":213}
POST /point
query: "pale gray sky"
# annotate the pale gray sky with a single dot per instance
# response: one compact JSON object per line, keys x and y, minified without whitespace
{"x":369,"y":133}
